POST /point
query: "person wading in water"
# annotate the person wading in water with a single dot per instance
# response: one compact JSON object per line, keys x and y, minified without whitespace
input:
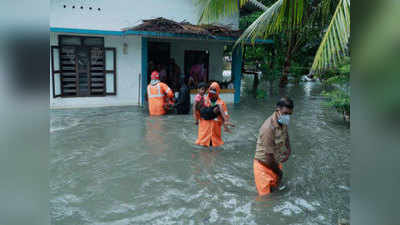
{"x":273,"y":148}
{"x":159,"y":95}
{"x":211,"y":121}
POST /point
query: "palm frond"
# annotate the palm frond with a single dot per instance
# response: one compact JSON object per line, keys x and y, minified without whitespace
{"x":212,"y":10}
{"x":258,"y":4}
{"x":282,"y":15}
{"x":334,"y":44}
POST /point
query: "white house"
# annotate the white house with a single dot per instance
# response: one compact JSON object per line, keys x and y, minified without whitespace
{"x":101,"y":49}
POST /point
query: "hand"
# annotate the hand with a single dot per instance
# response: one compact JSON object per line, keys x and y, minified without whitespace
{"x":216,"y":110}
{"x":280,"y":175}
{"x":287,"y":154}
{"x":227,"y":123}
{"x":226,"y":128}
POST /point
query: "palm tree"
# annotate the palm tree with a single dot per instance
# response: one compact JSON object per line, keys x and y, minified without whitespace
{"x":294,"y":17}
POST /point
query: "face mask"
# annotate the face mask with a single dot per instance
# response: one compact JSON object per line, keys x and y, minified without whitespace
{"x":284,"y":119}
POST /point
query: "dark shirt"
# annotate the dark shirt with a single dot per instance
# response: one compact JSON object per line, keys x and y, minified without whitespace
{"x":208,"y":113}
{"x":183,"y":102}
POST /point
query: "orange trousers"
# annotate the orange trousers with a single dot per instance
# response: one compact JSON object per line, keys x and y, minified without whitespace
{"x":264,"y":178}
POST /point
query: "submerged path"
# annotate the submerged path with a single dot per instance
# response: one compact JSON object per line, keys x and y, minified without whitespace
{"x":116,"y":166}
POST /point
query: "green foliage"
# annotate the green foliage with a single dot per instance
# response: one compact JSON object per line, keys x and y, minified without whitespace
{"x":270,"y":74}
{"x":294,"y":24}
{"x":261,"y":94}
{"x":297,"y":70}
{"x":338,"y":99}
{"x":339,"y":75}
{"x":333,"y":46}
{"x":248,"y":85}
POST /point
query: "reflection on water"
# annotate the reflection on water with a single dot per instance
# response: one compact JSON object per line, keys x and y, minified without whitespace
{"x":117,"y":165}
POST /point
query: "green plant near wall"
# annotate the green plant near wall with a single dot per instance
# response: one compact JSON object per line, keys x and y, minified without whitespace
{"x":339,"y":97}
{"x":339,"y":75}
{"x":261,"y":94}
{"x":269,"y":74}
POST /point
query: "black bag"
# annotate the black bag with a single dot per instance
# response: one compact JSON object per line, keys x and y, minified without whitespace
{"x":208,"y":113}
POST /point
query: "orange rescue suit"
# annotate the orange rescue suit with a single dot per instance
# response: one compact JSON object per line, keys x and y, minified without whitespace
{"x":210,"y":130}
{"x":264,"y":178}
{"x":157,"y":96}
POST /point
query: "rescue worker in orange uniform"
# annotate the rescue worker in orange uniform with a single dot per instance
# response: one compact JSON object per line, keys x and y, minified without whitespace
{"x":273,"y":148}
{"x":209,"y":132}
{"x":159,"y":95}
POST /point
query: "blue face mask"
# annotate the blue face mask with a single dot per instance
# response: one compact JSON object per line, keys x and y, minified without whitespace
{"x":284,"y":119}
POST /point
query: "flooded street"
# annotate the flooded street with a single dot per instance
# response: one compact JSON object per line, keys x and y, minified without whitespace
{"x":117,"y":166}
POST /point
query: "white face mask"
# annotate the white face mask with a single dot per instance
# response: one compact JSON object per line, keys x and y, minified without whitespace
{"x":284,"y":119}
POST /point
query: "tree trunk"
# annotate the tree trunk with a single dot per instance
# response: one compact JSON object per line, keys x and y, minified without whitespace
{"x":284,"y":78}
{"x":255,"y":84}
{"x":271,"y":68}
{"x":286,"y":66}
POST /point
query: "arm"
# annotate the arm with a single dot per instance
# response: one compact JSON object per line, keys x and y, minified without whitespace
{"x":194,"y":112}
{"x":225,"y":117}
{"x":273,"y":165}
{"x":289,"y":150}
{"x":266,"y":141}
{"x":181,"y":97}
{"x":168,"y":91}
{"x":222,"y":113}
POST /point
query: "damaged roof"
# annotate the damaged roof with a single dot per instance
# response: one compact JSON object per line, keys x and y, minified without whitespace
{"x":169,"y":26}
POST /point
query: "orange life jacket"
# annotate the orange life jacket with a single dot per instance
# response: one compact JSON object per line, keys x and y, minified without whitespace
{"x":157,"y":95}
{"x":210,"y":130}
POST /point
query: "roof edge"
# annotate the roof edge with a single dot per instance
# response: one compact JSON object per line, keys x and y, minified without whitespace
{"x":153,"y":34}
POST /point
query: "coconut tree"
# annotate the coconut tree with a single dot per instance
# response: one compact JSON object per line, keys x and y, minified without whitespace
{"x":294,"y":18}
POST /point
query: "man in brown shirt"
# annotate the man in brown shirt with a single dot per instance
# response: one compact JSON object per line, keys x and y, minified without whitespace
{"x":273,"y":148}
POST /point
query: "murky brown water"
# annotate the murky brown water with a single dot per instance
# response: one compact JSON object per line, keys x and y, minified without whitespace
{"x":118,"y":166}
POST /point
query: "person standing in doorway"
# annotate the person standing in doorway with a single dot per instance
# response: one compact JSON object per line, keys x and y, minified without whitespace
{"x":163,"y":73}
{"x":198,"y":73}
{"x":159,"y":95}
{"x":183,"y":101}
{"x":174,"y":73}
{"x":273,"y":148}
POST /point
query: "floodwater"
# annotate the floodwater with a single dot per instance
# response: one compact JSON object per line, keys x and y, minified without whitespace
{"x":117,"y":166}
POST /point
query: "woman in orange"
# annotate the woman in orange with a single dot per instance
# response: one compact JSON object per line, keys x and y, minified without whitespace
{"x":210,"y":130}
{"x":159,"y":95}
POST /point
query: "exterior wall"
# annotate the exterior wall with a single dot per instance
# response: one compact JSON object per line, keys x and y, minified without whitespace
{"x":118,"y":14}
{"x":128,"y":70}
{"x":215,"y":49}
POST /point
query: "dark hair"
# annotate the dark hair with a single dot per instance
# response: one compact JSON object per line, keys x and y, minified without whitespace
{"x":202,"y":85}
{"x":285,"y":102}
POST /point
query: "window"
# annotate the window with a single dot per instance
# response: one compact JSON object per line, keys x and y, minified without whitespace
{"x":83,"y":67}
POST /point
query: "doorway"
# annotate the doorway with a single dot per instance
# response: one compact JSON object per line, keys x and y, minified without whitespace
{"x":197,"y":66}
{"x":158,"y":56}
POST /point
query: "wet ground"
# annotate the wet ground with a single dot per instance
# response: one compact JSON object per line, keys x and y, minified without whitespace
{"x":116,"y":165}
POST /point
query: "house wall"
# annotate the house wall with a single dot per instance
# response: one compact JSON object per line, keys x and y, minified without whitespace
{"x":215,"y":49}
{"x":128,"y":69}
{"x":117,"y":14}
